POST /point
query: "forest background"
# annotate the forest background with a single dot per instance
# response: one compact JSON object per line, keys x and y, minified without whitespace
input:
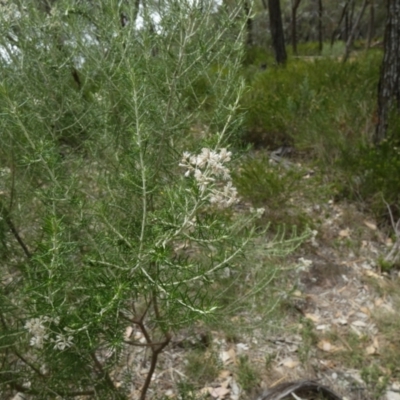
{"x":165,"y":170}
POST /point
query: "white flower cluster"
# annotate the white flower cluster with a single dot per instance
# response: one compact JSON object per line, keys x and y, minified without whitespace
{"x":38,"y":328}
{"x":304,"y":264}
{"x":258,"y":212}
{"x":213,"y":178}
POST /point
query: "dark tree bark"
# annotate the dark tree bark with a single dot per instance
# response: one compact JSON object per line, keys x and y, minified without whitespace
{"x":352,"y":35}
{"x":346,"y":25}
{"x":320,"y":35}
{"x":371,"y":23}
{"x":389,"y":82}
{"x":342,"y":16}
{"x":348,"y":20}
{"x":249,"y":23}
{"x":295,"y":6}
{"x":351,"y":17}
{"x":276,"y":26}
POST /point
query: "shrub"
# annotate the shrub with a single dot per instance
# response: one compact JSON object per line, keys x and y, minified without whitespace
{"x":321,"y":106}
{"x":373,"y":176}
{"x":103,"y":231}
{"x":265,"y":185}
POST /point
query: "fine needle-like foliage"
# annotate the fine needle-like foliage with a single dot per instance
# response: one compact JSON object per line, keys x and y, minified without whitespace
{"x":115,"y":191}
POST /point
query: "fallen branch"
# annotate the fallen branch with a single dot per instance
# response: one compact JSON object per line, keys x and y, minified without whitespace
{"x":305,"y":389}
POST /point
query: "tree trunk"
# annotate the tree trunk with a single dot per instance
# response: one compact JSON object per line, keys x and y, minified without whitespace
{"x":336,"y":30}
{"x":389,"y":82}
{"x":276,"y":26}
{"x":249,"y":23}
{"x":320,"y":38}
{"x":371,"y":23}
{"x":350,"y":40}
{"x":295,"y":6}
{"x":349,"y":20}
{"x":351,"y":16}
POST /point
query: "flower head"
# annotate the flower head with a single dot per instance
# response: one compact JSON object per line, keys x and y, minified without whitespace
{"x":211,"y":175}
{"x":41,"y":332}
{"x":62,"y":342}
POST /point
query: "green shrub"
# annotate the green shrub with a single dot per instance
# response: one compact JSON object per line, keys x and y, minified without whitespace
{"x":321,"y":106}
{"x":373,"y":176}
{"x":115,"y":216}
{"x":305,"y":49}
{"x":335,"y":50}
{"x":265,"y":185}
{"x":257,"y":56}
{"x":202,"y":367}
{"x":376,"y":379}
{"x":248,"y":376}
{"x":110,"y":210}
{"x":275,"y":188}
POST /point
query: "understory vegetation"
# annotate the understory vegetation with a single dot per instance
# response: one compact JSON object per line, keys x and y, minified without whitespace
{"x":326,"y":110}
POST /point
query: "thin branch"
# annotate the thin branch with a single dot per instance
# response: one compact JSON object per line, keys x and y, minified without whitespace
{"x":156,"y":350}
{"x":395,"y":251}
{"x":137,"y":344}
{"x":391,"y":216}
{"x":142,"y":327}
{"x":103,"y":373}
{"x":7,"y":378}
{"x":6,"y":216}
{"x":23,"y":359}
{"x":29,"y":364}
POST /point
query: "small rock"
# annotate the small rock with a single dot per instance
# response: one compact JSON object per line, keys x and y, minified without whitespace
{"x":392,"y":395}
{"x":19,"y":396}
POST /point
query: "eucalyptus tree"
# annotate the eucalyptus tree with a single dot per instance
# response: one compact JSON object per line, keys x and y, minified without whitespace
{"x":294,"y":6}
{"x":389,"y":82}
{"x":277,"y":34}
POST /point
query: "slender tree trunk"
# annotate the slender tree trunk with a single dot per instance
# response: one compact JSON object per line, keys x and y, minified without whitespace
{"x":346,"y":25}
{"x":348,"y":21}
{"x":249,"y":23}
{"x":371,"y":23}
{"x":389,"y":82}
{"x":276,"y":26}
{"x":295,"y":6}
{"x":350,"y":40}
{"x":351,"y":16}
{"x":342,"y":16}
{"x":320,"y":36}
